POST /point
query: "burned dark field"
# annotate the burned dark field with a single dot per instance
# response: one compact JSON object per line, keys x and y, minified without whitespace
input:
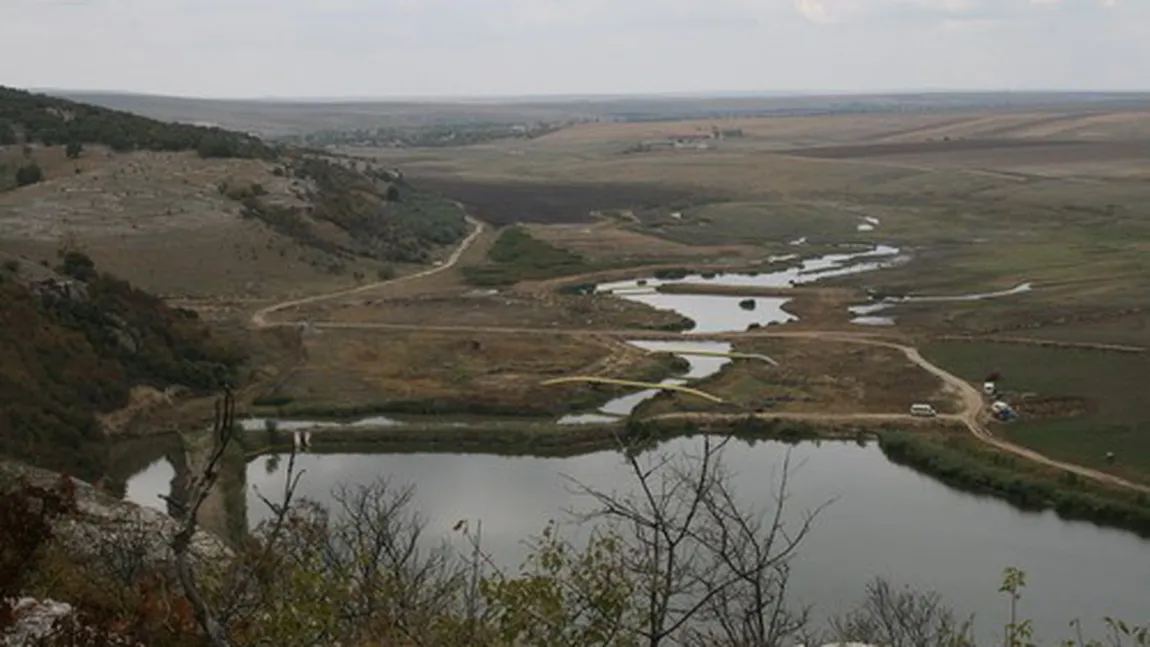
{"x":506,"y":202}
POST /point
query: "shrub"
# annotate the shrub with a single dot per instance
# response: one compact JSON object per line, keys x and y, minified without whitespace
{"x":29,"y":174}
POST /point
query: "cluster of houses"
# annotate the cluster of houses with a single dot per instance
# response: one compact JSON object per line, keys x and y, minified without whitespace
{"x":697,"y":141}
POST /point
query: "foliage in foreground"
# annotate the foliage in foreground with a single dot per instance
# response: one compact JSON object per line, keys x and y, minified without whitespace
{"x":676,"y":561}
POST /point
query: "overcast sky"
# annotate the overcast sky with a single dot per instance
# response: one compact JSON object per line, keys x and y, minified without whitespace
{"x":390,"y":48}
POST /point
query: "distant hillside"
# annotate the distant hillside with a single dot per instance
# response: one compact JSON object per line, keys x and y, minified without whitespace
{"x":265,"y":218}
{"x":36,"y":118}
{"x":282,"y":118}
{"x":73,"y":344}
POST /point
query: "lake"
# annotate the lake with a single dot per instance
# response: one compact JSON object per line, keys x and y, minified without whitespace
{"x":885,"y":520}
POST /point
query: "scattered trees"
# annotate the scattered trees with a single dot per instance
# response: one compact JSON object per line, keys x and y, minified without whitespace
{"x":74,"y":149}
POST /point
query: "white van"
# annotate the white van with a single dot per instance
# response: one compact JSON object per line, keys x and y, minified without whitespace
{"x":923,"y":410}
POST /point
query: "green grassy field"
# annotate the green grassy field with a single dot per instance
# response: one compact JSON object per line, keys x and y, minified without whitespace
{"x":1117,"y":413}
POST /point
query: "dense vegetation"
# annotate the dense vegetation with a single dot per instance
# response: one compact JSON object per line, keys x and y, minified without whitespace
{"x":56,"y":122}
{"x":518,"y":256}
{"x":71,"y":353}
{"x":435,"y":136}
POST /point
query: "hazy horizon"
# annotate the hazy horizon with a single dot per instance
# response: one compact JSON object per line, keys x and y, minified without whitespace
{"x":382,"y":50}
{"x":564,"y":97}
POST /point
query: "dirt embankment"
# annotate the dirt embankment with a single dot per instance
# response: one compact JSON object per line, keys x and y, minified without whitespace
{"x":1047,"y":343}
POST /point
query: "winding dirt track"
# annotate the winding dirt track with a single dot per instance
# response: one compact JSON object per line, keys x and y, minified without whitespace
{"x":973,"y":415}
{"x":260,"y":317}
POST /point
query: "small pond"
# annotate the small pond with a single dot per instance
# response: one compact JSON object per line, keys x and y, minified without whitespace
{"x":719,"y":313}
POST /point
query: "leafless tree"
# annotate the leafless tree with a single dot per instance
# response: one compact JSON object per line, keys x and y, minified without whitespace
{"x":705,"y":568}
{"x":903,"y":618}
{"x":376,"y":542}
{"x":198,"y":489}
{"x":240,"y":583}
{"x":756,"y":548}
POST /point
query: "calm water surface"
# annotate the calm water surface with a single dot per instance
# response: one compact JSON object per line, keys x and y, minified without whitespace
{"x":884,"y":520}
{"x":717,"y":313}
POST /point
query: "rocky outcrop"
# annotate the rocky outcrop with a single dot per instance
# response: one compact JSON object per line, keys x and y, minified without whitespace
{"x":34,"y":620}
{"x":119,"y":536}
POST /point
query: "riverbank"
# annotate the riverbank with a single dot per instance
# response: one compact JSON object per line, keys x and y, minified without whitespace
{"x":941,"y":450}
{"x":512,"y":438}
{"x":966,"y":464}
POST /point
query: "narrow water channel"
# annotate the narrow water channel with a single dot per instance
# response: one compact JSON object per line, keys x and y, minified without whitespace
{"x":700,"y":367}
{"x":865,"y":314}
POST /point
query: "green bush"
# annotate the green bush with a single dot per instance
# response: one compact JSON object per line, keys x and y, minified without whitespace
{"x":29,"y":174}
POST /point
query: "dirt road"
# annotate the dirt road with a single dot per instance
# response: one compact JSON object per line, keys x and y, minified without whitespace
{"x":260,"y":317}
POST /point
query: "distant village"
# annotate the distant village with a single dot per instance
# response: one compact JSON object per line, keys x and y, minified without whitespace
{"x":695,"y":141}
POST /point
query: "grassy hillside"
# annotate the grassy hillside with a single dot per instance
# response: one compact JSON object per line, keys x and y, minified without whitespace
{"x":36,"y":118}
{"x":74,"y":345}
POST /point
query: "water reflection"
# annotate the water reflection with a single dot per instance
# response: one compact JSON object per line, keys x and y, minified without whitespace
{"x":718,"y":313}
{"x":886,"y":520}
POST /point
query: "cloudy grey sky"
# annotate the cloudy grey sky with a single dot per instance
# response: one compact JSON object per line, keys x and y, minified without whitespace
{"x":389,"y":48}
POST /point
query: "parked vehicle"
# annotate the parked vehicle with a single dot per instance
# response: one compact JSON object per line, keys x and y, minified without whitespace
{"x":923,"y":410}
{"x":1002,"y":411}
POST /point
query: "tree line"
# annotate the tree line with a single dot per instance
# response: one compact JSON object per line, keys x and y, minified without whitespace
{"x":59,"y":122}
